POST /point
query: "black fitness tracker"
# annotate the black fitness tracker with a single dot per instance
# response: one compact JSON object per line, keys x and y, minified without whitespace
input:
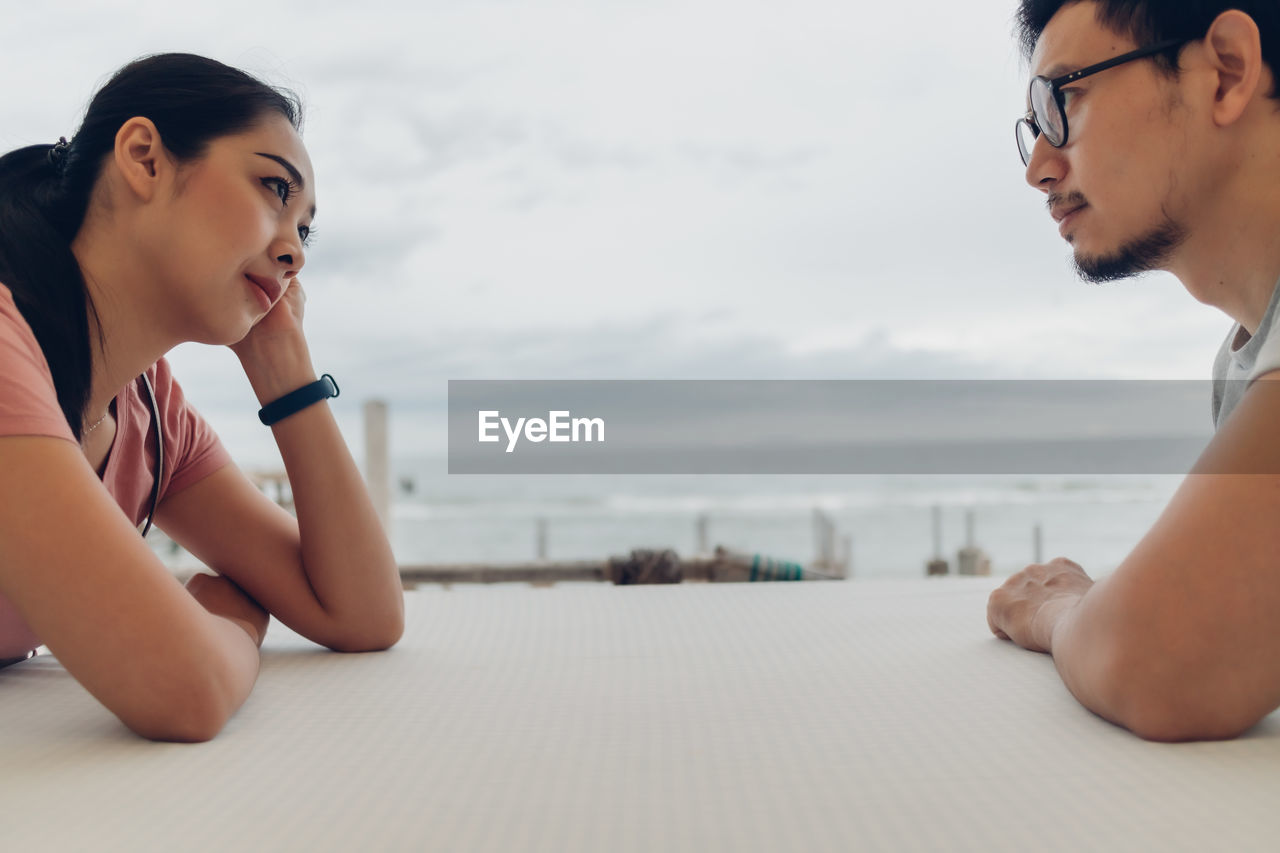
{"x":295,"y":401}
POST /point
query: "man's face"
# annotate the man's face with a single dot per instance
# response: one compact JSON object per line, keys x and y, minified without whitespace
{"x":1113,"y":188}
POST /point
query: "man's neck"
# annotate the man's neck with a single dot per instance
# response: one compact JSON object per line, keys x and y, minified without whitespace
{"x":1232,"y":258}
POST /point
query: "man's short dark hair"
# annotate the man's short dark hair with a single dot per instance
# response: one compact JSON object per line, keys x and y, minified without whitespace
{"x":1150,"y":21}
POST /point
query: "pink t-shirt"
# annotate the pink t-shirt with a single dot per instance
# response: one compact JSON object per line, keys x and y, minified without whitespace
{"x":29,"y":406}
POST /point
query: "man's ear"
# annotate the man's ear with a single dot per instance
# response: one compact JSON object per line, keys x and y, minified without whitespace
{"x":1234,"y":50}
{"x":141,"y":157}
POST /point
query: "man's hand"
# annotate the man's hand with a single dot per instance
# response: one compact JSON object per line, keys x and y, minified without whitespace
{"x":1029,"y":604}
{"x":221,"y":597}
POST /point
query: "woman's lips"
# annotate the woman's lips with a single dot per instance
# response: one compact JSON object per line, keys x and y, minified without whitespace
{"x":269,"y":287}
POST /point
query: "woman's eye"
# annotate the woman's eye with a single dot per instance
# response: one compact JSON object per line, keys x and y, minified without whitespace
{"x":283,"y":189}
{"x":306,"y":233}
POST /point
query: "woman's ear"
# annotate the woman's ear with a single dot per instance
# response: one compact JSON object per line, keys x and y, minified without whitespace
{"x":1234,"y":48}
{"x":141,"y":157}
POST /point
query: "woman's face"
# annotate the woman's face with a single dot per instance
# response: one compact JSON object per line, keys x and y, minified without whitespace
{"x":234,"y":228}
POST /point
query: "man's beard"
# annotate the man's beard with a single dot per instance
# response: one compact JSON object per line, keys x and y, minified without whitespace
{"x":1142,"y":254}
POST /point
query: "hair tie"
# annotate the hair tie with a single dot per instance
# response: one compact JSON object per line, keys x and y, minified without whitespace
{"x":58,"y":153}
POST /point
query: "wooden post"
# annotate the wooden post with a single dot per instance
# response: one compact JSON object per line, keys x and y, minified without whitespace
{"x":971,"y":560}
{"x":377,"y":467}
{"x":540,"y":537}
{"x":937,"y":532}
{"x":700,"y":525}
{"x":936,"y":565}
{"x":824,"y":541}
{"x":833,"y":559}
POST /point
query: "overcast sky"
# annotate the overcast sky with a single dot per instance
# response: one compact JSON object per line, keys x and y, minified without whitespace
{"x":696,"y":189}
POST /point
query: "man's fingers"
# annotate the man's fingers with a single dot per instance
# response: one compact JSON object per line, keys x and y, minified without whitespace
{"x":991,"y":614}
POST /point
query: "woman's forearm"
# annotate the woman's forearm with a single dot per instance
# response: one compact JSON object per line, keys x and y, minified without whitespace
{"x":344,"y":549}
{"x":211,"y":679}
{"x":345,"y":552}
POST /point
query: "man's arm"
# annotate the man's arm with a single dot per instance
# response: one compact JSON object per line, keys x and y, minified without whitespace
{"x":1182,"y":641}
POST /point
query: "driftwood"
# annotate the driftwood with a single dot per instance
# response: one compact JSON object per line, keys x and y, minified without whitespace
{"x":641,"y":566}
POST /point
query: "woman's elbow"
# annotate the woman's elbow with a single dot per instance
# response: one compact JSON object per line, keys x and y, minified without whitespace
{"x":372,"y":635}
{"x":196,"y":716}
{"x":177,"y":730}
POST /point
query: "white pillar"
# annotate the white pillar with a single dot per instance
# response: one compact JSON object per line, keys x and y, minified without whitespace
{"x":377,"y":466}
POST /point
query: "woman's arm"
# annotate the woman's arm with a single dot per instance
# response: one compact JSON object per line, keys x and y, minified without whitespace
{"x":102,"y":602}
{"x":330,"y":574}
{"x":222,"y":597}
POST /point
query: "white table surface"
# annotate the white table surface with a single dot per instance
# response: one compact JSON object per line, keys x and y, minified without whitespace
{"x":861,"y":715}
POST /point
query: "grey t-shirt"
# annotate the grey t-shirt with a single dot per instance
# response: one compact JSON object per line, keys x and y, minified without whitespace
{"x":1242,"y":358}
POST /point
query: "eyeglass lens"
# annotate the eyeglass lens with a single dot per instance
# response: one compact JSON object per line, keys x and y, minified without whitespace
{"x":1047,"y":116}
{"x":1026,"y":140}
{"x":1047,"y":112}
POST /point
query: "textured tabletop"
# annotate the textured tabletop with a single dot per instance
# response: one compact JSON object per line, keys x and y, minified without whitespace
{"x":785,"y":716}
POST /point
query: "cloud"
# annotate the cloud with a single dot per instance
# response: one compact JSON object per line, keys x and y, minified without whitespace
{"x":695,"y":189}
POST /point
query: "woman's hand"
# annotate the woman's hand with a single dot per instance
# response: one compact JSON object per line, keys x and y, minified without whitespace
{"x":221,"y":597}
{"x":281,"y":326}
{"x":274,"y":354}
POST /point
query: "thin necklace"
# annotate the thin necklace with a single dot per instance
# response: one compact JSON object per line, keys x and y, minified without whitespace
{"x":96,"y":424}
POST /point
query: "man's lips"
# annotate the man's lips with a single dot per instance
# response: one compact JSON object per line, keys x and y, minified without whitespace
{"x":1061,"y":213}
{"x":1065,"y":217}
{"x":269,"y":286}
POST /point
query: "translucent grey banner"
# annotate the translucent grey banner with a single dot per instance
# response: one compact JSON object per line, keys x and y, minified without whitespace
{"x":832,"y":427}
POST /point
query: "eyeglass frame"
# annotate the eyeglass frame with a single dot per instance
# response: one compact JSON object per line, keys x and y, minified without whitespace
{"x":1055,"y":89}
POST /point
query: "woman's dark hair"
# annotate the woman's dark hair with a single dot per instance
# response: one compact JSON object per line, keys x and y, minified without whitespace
{"x":44,"y":194}
{"x":1151,"y":21}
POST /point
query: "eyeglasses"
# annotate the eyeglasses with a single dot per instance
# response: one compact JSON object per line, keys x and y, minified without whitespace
{"x":1048,"y":113}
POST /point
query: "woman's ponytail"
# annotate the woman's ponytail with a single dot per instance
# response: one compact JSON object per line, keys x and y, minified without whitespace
{"x":41,"y":209}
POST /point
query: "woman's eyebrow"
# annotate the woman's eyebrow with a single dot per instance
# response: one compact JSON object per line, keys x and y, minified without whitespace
{"x":293,"y":173}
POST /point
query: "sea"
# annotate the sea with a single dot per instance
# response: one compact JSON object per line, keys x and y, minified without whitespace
{"x":891,"y":525}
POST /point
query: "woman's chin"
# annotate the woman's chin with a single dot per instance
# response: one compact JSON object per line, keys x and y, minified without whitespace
{"x":226,"y":336}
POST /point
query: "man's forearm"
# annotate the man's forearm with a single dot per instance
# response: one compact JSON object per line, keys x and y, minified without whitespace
{"x":1084,"y":650}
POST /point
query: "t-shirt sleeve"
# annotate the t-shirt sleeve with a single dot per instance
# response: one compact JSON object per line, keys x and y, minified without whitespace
{"x":192,"y":448}
{"x":28,"y":400}
{"x":1268,"y":355}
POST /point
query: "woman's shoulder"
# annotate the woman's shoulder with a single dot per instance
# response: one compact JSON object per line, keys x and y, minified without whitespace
{"x":28,"y":399}
{"x":9,"y":308}
{"x":13,"y":326}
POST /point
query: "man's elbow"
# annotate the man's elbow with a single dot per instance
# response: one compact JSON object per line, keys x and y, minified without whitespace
{"x":1175,"y":702}
{"x":1168,"y":725}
